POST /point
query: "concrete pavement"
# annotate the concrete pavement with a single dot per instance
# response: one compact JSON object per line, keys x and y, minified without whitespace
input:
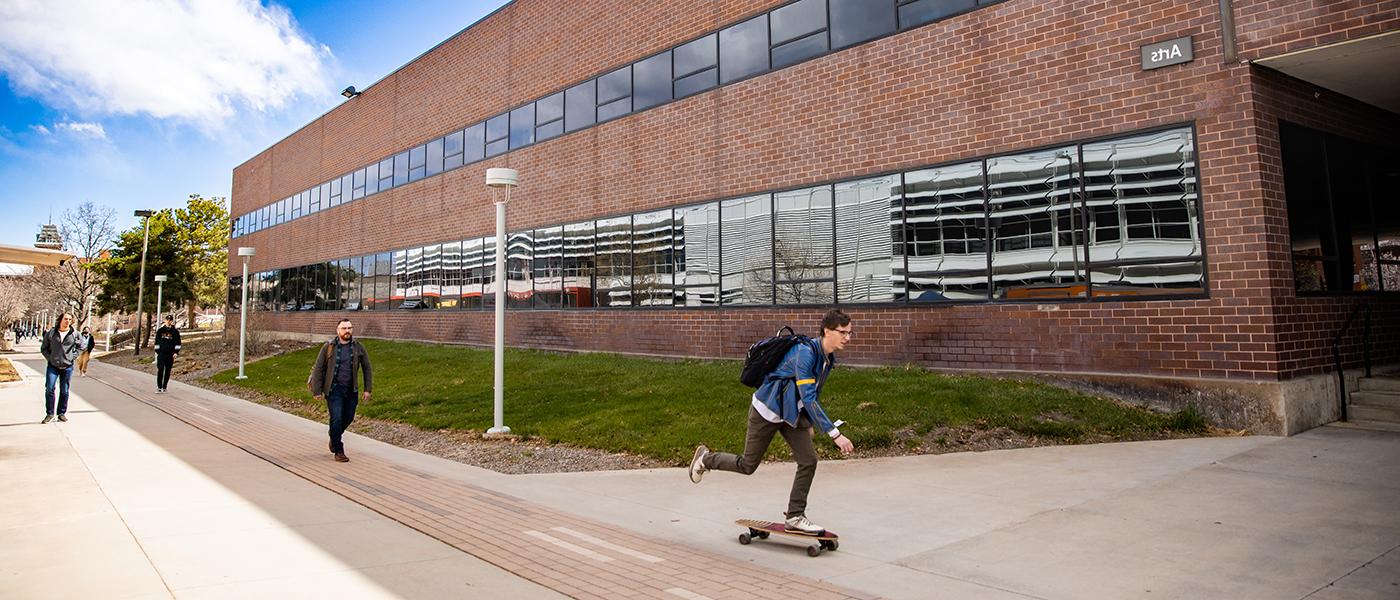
{"x":1312,"y":516}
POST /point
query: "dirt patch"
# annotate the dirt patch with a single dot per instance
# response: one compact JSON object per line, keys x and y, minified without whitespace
{"x":7,"y":371}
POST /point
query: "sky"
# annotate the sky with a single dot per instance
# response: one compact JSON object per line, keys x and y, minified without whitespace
{"x":140,"y":103}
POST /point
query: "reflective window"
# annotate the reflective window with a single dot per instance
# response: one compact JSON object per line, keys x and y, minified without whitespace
{"x":855,"y":21}
{"x":653,"y":258}
{"x":548,"y":267}
{"x":580,"y":106}
{"x":549,"y":117}
{"x":383,"y":280}
{"x":522,"y":126}
{"x":372,"y":179}
{"x":474,"y":143}
{"x":452,"y":146}
{"x":746,"y":250}
{"x":917,"y":12}
{"x":357,"y":186}
{"x":798,"y":31}
{"x":578,"y":265}
{"x":614,"y":262}
{"x":296,"y":207}
{"x":1143,"y":206}
{"x":520,"y":249}
{"x":488,"y":297}
{"x":430,"y":276}
{"x":334,"y":190}
{"x":945,"y":233}
{"x":386,"y":173}
{"x":433,"y":162}
{"x":497,"y":134}
{"x":400,"y":168}
{"x":651,"y":79}
{"x":350,"y":284}
{"x":696,"y":66}
{"x":474,"y":259}
{"x":450,"y":295}
{"x":417,"y":163}
{"x":698,"y":255}
{"x":316,"y":198}
{"x":743,"y":49}
{"x":869,"y":254}
{"x":406,"y":265}
{"x":615,"y":94}
{"x":1036,"y":225}
{"x":803,"y":251}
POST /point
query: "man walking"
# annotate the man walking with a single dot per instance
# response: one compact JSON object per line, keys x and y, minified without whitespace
{"x":787,"y":403}
{"x":167,"y":349}
{"x":88,"y":344}
{"x":333,"y":376}
{"x":60,"y":347}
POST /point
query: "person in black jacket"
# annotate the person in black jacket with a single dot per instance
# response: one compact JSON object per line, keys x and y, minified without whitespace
{"x":88,"y":343}
{"x":167,"y":348}
{"x":60,"y":347}
{"x":333,"y":377}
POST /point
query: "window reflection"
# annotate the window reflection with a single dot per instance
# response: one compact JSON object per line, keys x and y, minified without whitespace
{"x":406,"y":265}
{"x":802,"y":246}
{"x":578,"y":264}
{"x":698,"y":255}
{"x":522,"y":126}
{"x":1035,"y":225}
{"x":798,"y":31}
{"x":520,"y":248}
{"x":548,"y":267}
{"x":945,"y":236}
{"x":488,"y":270}
{"x":652,"y":81}
{"x":614,"y":262}
{"x":430,"y":277}
{"x":869,"y":257}
{"x":450,"y":295}
{"x":855,"y":21}
{"x":383,"y":280}
{"x":474,"y":260}
{"x":743,"y":49}
{"x":653,"y":256}
{"x":747,"y":251}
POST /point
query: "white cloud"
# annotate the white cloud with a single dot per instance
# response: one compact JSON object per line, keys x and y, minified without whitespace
{"x":85,"y":130}
{"x":40,"y":129}
{"x":194,"y":60}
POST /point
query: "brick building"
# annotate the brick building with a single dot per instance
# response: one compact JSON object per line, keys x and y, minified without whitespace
{"x":1147,"y":196}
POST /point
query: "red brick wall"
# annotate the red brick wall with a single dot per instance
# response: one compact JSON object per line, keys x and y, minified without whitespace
{"x":1014,"y":76}
{"x":1267,"y":28}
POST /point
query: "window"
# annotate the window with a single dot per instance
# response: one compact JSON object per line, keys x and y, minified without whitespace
{"x":945,"y":237}
{"x":473,"y":271}
{"x":578,"y":264}
{"x":474,"y":143}
{"x":400,"y":169}
{"x":357,"y":184}
{"x":653,"y":258}
{"x":614,"y":262}
{"x":315,"y":205}
{"x":452,"y":146}
{"x":406,"y":265}
{"x":497,"y":134}
{"x":698,"y":254}
{"x":520,"y":256}
{"x":350,"y":284}
{"x":855,"y":21}
{"x":743,"y":49}
{"x":417,"y":163}
{"x":450,"y":296}
{"x":799,"y":31}
{"x":296,"y":207}
{"x":1036,"y":225}
{"x":869,"y":255}
{"x":696,"y":66}
{"x":651,"y":80}
{"x":334,"y":189}
{"x":580,"y":106}
{"x":522,"y":126}
{"x":433,"y":164}
{"x":488,"y":281}
{"x":549,"y":117}
{"x":386,"y":173}
{"x":803,"y":250}
{"x":746,"y":251}
{"x":918,"y":12}
{"x":383,"y":280}
{"x":615,"y":94}
{"x":1143,"y":212}
{"x":548,"y":267}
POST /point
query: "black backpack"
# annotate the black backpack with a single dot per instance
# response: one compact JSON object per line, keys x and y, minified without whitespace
{"x":766,"y":354}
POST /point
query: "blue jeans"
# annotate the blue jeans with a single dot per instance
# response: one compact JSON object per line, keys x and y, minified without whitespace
{"x":341,"y":403}
{"x":61,"y":377}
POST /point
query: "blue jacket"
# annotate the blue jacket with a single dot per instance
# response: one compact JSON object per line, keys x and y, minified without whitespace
{"x":800,"y":375}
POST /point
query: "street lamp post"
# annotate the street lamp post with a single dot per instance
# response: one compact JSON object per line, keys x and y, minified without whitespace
{"x":245,"y":252}
{"x":141,"y":277}
{"x":160,"y":290}
{"x":500,"y":179}
{"x":87,"y":320}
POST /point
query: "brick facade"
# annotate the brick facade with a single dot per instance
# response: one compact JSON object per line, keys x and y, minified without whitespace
{"x":1010,"y":77}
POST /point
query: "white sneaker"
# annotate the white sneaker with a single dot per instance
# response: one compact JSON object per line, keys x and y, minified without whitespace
{"x":800,"y":524}
{"x":697,"y":463}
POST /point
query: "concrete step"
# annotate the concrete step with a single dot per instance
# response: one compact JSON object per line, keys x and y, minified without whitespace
{"x":1375,"y":399}
{"x":1381,"y":384}
{"x":1384,"y":414}
{"x":1368,"y":425}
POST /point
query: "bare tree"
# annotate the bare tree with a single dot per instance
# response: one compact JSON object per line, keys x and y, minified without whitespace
{"x":15,"y":299}
{"x":88,"y":232}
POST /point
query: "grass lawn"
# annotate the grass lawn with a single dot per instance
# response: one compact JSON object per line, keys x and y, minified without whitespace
{"x":663,"y":408}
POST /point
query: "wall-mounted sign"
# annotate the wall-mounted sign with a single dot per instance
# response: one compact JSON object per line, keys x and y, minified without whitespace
{"x":1170,"y":52}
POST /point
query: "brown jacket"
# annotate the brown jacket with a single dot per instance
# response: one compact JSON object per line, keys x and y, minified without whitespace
{"x":322,"y":373}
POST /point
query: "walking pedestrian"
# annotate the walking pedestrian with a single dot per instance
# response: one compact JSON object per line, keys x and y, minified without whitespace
{"x":787,"y":403}
{"x":333,"y":377}
{"x":167,"y":349}
{"x":88,"y":343}
{"x":60,"y":347}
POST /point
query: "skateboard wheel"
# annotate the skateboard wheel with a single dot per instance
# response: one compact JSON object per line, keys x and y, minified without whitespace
{"x":831,"y":544}
{"x":763,"y":535}
{"x":744,"y":539}
{"x":814,"y":551}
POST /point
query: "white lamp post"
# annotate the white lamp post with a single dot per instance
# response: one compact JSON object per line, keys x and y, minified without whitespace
{"x":141,"y":277}
{"x":500,"y":179}
{"x":245,"y":252}
{"x":87,"y":321}
{"x":160,"y":289}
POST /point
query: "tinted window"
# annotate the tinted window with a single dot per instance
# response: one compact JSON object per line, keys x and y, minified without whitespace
{"x":522,"y":126}
{"x":747,"y":251}
{"x":474,"y":143}
{"x":431,"y":276}
{"x":371,"y":179}
{"x":653,"y":258}
{"x":497,"y":134}
{"x":434,"y":157}
{"x":1036,"y":239}
{"x":803,"y":253}
{"x":869,"y":260}
{"x":697,"y":249}
{"x":799,"y":19}
{"x":520,"y":248}
{"x":652,"y":80}
{"x":417,"y":163}
{"x":945,"y":233}
{"x":855,"y":21}
{"x":918,"y":12}
{"x":488,"y":272}
{"x":452,"y":150}
{"x":399,"y":291}
{"x":450,"y":273}
{"x":799,"y":50}
{"x":578,"y":265}
{"x":615,"y":94}
{"x":549,"y":117}
{"x":400,"y":168}
{"x":743,"y":49}
{"x":696,"y":56}
{"x":473,"y":271}
{"x":548,"y":267}
{"x":579,"y":106}
{"x":551,"y":130}
{"x":614,"y":262}
{"x":386,"y":173}
{"x":697,"y":83}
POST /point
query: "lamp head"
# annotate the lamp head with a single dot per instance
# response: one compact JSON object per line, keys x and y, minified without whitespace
{"x":502,"y":178}
{"x":247,"y":251}
{"x":161,"y":278}
{"x":145,"y":213}
{"x":349,"y":92}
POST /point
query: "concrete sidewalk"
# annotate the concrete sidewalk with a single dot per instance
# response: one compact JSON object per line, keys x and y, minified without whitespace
{"x":1312,"y":516}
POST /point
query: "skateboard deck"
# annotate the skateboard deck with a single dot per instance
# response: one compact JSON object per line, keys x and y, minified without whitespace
{"x":762,"y":529}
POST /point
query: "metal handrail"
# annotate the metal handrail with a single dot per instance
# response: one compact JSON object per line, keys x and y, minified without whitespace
{"x":1365,"y":353}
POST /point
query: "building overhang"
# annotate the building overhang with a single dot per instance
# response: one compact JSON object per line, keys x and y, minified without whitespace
{"x":34,"y":257}
{"x":1363,"y":69}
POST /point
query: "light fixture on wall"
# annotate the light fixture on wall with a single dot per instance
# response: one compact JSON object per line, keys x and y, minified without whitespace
{"x":349,"y":92}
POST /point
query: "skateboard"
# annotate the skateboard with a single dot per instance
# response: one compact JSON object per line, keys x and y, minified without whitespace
{"x":762,"y":529}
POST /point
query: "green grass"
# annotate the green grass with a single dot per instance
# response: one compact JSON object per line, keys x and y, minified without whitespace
{"x":663,"y":408}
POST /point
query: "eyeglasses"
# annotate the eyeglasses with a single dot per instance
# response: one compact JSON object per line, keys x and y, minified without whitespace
{"x":846,"y":333}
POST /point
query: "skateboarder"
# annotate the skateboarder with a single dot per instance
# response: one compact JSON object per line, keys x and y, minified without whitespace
{"x":787,"y":404}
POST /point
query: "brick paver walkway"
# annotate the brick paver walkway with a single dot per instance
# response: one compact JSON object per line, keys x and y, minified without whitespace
{"x":573,"y":556}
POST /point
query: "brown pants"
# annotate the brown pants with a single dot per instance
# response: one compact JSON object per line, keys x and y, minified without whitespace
{"x":760,"y":435}
{"x":83,"y":361}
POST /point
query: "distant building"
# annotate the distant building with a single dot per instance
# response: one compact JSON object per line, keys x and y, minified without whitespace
{"x":48,"y":238}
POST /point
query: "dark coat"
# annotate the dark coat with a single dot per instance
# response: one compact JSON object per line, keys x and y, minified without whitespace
{"x":61,"y":350}
{"x":323,"y":370}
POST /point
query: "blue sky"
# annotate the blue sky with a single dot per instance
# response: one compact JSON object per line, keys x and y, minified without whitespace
{"x":143,"y":106}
